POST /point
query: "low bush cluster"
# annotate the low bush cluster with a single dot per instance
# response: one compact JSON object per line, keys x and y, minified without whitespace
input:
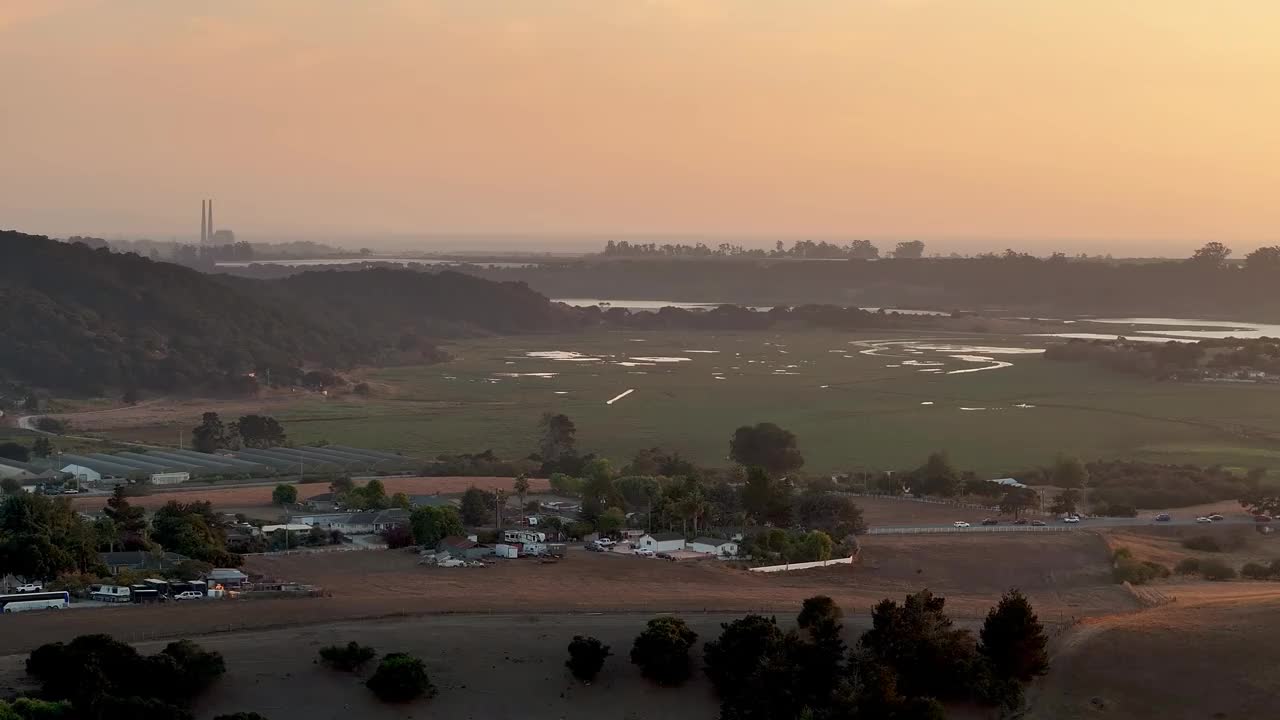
{"x":347,"y":658}
{"x":101,"y":677}
{"x":1203,"y":543}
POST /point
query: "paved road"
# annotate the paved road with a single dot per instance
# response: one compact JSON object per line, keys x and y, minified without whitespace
{"x":1057,"y":525}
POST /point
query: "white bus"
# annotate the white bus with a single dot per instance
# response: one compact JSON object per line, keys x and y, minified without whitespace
{"x":22,"y":602}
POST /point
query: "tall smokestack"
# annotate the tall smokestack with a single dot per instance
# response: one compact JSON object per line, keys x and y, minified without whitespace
{"x":204,"y":227}
{"x":210,"y":219}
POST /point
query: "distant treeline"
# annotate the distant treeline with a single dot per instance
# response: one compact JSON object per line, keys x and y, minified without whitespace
{"x":1199,"y":287}
{"x":806,"y":249}
{"x":1217,"y":358}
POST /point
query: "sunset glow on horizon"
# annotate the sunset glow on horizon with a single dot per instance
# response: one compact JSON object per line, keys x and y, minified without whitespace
{"x":1144,"y":126}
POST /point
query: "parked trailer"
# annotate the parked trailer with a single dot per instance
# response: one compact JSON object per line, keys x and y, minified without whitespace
{"x":22,"y":602}
{"x":112,"y":594}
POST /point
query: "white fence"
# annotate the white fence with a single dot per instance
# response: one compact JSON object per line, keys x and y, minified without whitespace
{"x":975,"y":528}
{"x":803,"y":566}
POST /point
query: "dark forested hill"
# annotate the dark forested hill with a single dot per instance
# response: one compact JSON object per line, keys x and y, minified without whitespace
{"x":84,"y":320}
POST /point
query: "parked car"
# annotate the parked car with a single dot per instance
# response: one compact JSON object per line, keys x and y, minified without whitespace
{"x":1021,"y":521}
{"x":643,"y":552}
{"x":1262,"y":518}
{"x":961,"y":524}
{"x":1203,"y":520}
{"x":189,"y":595}
{"x":31,"y":587}
{"x":1216,"y":517}
{"x":594,"y":547}
{"x":990,"y":521}
{"x":1037,"y":523}
{"x":1071,"y":519}
{"x":1163,"y":517}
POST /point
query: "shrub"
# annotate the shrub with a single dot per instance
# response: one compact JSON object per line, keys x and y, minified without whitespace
{"x":1256,"y":571}
{"x":662,"y":650}
{"x":586,"y":657}
{"x":1188,"y":566}
{"x":398,"y":536}
{"x":25,"y":708}
{"x":1128,"y":570}
{"x":1216,"y":570}
{"x":1275,"y":567}
{"x":347,"y":658}
{"x":400,"y":678}
{"x":1203,"y":543}
{"x":242,"y":716}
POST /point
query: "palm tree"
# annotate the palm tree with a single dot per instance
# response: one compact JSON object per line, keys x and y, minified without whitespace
{"x":521,"y":486}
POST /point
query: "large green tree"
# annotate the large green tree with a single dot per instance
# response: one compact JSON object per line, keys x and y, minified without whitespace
{"x":936,"y":477}
{"x":1013,"y":640}
{"x":192,"y":529}
{"x":767,"y":446}
{"x":477,"y":506}
{"x":432,"y":524}
{"x":258,"y":431}
{"x":210,"y":435}
{"x":661,"y":651}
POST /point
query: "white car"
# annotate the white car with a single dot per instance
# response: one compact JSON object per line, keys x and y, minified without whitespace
{"x":606,"y":542}
{"x":961,"y":524}
{"x":643,"y":552}
{"x":1203,"y":519}
{"x":1071,"y":519}
{"x":30,"y":587}
{"x":189,"y":595}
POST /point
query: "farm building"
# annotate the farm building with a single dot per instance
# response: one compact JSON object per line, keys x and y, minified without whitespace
{"x":21,"y":471}
{"x":227,"y":577}
{"x":463,"y":548}
{"x":662,"y":542}
{"x":714,"y":546}
{"x":170,"y":466}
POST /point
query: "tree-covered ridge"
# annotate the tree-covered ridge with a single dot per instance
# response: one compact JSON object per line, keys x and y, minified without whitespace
{"x":87,"y":320}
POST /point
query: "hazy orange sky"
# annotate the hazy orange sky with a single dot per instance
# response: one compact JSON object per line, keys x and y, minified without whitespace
{"x":1136,"y":126}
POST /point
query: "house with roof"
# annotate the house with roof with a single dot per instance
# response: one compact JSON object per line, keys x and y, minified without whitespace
{"x":364,"y":522}
{"x":463,"y":548}
{"x":662,"y":542}
{"x":714,"y":546}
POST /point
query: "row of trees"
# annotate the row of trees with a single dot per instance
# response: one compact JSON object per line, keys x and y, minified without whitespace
{"x":1226,"y":357}
{"x":44,"y":538}
{"x":250,"y":431}
{"x":911,"y":661}
{"x":807,"y":249}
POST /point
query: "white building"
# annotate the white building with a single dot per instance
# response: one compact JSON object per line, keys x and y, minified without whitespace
{"x":83,"y":474}
{"x":714,"y":546}
{"x":662,"y":542}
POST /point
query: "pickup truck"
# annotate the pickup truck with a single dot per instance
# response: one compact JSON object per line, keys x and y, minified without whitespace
{"x":30,"y":587}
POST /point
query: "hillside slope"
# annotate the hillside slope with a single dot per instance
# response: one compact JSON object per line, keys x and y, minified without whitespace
{"x":81,"y":320}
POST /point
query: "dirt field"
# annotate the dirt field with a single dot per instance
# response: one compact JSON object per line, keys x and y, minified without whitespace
{"x":1065,"y":575}
{"x":490,"y":668}
{"x":1214,"y":655}
{"x":259,"y":496}
{"x":1240,"y":544}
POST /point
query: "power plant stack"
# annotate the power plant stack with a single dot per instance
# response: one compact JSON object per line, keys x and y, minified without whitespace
{"x":207,"y":234}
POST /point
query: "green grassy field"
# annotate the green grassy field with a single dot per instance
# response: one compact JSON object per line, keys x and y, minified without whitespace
{"x":849,"y":410}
